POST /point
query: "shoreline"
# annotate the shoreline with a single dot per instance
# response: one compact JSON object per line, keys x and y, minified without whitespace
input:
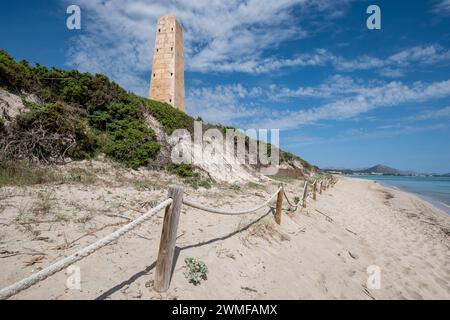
{"x":437,"y":204}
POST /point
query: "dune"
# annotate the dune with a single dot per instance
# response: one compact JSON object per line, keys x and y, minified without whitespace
{"x":327,"y":250}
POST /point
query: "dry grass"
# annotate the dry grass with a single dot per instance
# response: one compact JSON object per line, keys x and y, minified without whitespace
{"x":82,"y":175}
{"x":254,"y":185}
{"x":3,"y":206}
{"x":286,"y":179}
{"x":23,"y":173}
{"x":85,"y":218}
{"x":265,"y":230}
{"x":146,"y":184}
{"x":23,"y":211}
{"x":43,"y":204}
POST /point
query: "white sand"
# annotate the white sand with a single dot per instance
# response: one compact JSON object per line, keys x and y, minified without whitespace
{"x":250,"y":257}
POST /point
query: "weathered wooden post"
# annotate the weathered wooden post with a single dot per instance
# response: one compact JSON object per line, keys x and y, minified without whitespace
{"x":314,"y":190}
{"x":168,"y":238}
{"x":305,"y":194}
{"x":320,"y":187}
{"x":279,"y":205}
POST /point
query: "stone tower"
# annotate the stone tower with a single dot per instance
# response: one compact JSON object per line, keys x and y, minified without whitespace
{"x":167,"y":83}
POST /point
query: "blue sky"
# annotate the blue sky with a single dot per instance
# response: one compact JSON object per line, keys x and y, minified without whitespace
{"x":342,"y":95}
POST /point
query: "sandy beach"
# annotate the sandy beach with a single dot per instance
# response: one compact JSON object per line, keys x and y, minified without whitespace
{"x":321,"y":252}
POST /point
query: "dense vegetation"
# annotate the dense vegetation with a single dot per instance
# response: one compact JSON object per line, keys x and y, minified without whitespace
{"x":79,"y":115}
{"x":84,"y":114}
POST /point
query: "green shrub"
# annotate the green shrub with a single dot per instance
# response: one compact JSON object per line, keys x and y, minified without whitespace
{"x":115,"y":116}
{"x":197,"y":271}
{"x":183,"y":170}
{"x":14,"y":75}
{"x":103,"y":116}
{"x":169,"y":117}
{"x":306,"y":165}
{"x":54,"y":117}
{"x":191,"y":177}
{"x":131,"y":143}
{"x":198,"y":182}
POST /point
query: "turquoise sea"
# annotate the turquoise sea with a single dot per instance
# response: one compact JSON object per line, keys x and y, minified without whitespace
{"x":433,"y":189}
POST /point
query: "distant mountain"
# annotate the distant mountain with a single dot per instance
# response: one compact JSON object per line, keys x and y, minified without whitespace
{"x":378,"y":169}
{"x":381,"y":169}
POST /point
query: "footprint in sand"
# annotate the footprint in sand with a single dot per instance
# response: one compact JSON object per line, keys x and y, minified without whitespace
{"x":414,"y":295}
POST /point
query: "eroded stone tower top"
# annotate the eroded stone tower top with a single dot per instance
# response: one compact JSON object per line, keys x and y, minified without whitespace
{"x":167,"y":82}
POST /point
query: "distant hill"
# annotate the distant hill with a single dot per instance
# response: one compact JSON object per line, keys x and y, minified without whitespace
{"x":381,"y":169}
{"x":378,"y":169}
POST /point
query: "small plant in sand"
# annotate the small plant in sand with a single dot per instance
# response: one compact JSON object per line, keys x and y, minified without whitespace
{"x":197,"y":271}
{"x":152,"y":203}
{"x":235,"y":187}
{"x":296,"y":200}
{"x":43,"y":205}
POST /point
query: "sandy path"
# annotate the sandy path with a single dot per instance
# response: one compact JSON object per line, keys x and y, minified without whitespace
{"x":308,"y":257}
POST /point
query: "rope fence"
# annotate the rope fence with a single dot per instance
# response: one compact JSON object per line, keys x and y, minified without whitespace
{"x":172,"y":207}
{"x":83,"y":253}
{"x":230,"y":213}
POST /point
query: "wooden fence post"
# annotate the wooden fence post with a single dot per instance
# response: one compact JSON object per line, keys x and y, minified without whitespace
{"x":168,"y":238}
{"x":305,"y":194}
{"x":314,"y":190}
{"x":320,"y":187}
{"x":279,"y":205}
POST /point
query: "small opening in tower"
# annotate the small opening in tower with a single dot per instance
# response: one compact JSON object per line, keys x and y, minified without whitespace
{"x":171,"y":48}
{"x":172,"y":29}
{"x":154,"y":75}
{"x":170,"y":100}
{"x":171,"y":74}
{"x":159,"y":30}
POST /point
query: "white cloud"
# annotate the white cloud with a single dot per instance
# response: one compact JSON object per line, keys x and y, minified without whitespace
{"x":335,"y":86}
{"x":423,"y":54}
{"x":396,"y":64}
{"x":443,"y":7}
{"x":432,"y":114}
{"x":366,"y":99}
{"x":353,"y":134}
{"x":263,"y":65}
{"x":391,"y":72}
{"x":350,"y":99}
{"x":118,"y":36}
{"x":223,"y":104}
